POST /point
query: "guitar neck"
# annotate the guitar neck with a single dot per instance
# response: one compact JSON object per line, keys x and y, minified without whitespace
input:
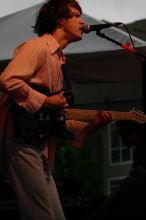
{"x":121,"y":115}
{"x":79,"y":114}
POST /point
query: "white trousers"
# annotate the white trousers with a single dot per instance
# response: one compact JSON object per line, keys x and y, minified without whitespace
{"x":35,"y":188}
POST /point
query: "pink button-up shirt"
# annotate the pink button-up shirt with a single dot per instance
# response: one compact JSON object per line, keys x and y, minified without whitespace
{"x":37,"y":61}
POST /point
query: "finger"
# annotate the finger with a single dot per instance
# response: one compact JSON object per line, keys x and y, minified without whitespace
{"x":61,"y":94}
{"x":107,"y":114}
{"x":66,"y":105}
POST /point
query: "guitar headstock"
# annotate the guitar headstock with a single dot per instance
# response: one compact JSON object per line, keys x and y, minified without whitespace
{"x":138,"y":116}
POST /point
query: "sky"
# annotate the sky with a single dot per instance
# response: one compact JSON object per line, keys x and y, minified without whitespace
{"x":10,"y":6}
{"x":111,"y":10}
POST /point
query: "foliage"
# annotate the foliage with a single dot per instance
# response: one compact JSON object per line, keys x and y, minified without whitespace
{"x":78,"y":163}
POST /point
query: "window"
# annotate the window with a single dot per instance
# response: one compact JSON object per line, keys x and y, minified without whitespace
{"x":118,"y":153}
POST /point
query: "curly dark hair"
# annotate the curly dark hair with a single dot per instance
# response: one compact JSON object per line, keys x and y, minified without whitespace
{"x":50,"y":12}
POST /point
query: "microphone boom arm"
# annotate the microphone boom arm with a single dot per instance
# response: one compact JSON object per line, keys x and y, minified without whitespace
{"x":128,"y":48}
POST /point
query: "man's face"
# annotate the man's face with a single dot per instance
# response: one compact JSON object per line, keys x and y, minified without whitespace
{"x":73,"y":26}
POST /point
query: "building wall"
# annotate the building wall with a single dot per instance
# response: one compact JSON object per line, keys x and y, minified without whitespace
{"x":112,"y":171}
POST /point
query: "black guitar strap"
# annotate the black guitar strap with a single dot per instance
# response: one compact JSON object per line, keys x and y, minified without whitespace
{"x":67,"y":86}
{"x":66,"y":78}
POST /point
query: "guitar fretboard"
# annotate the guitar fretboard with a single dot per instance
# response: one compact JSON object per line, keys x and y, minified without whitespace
{"x":80,"y":114}
{"x":121,"y":115}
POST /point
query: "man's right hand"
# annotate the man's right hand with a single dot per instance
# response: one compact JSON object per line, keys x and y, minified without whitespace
{"x":57,"y":101}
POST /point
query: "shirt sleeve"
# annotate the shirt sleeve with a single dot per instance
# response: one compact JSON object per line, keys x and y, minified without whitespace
{"x":79,"y":130}
{"x":25,"y":64}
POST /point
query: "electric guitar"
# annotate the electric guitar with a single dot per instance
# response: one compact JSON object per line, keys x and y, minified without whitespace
{"x":34,"y":128}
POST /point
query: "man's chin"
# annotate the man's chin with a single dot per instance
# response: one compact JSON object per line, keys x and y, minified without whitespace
{"x":78,"y":38}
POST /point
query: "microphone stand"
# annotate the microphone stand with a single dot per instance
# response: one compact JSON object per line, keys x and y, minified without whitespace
{"x":132,"y":50}
{"x":125,"y":46}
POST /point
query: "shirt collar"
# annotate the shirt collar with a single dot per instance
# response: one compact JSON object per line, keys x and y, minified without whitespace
{"x":54,"y":46}
{"x":52,"y":43}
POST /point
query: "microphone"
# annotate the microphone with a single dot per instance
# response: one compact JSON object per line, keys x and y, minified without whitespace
{"x":97,"y":27}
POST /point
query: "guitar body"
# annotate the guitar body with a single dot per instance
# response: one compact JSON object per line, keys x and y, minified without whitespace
{"x":34,"y":128}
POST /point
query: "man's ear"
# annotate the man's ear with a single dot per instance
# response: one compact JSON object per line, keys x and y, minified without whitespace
{"x":61,"y":22}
